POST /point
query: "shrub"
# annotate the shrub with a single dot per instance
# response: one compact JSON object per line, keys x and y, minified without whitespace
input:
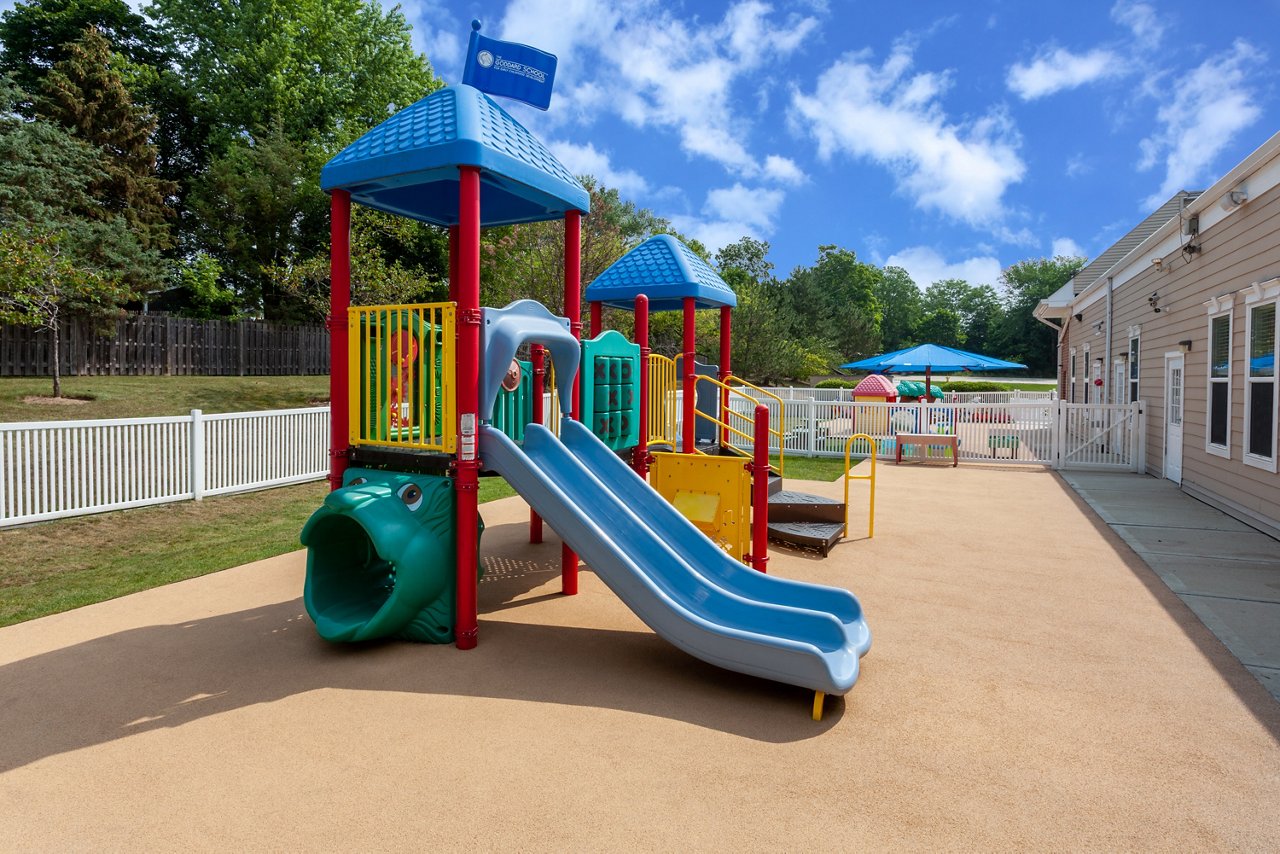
{"x":981,"y":385}
{"x":836,"y":383}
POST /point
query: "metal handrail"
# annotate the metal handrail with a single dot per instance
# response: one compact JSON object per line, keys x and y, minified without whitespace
{"x":663,"y":386}
{"x":871,"y":516}
{"x":754,"y":403}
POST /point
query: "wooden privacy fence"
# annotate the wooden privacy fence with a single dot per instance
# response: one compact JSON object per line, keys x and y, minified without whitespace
{"x":54,"y":469}
{"x":150,"y":344}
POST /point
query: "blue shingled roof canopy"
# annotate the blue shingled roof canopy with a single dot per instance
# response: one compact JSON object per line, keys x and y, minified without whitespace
{"x":408,"y":165}
{"x":666,"y":271}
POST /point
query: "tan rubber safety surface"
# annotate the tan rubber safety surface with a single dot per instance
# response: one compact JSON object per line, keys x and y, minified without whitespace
{"x":1031,"y":685}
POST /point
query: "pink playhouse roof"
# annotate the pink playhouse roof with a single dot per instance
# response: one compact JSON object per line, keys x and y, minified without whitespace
{"x":876,"y":385}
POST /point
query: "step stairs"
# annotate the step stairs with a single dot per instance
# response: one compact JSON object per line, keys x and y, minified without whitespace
{"x":805,"y":520}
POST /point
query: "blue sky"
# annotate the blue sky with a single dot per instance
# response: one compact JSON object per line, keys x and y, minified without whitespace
{"x":951,"y":140}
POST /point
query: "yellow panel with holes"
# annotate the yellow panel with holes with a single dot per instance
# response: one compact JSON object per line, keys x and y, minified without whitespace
{"x":714,"y":493}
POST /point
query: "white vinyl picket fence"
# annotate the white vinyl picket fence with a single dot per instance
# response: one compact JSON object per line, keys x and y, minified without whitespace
{"x":1046,"y":432}
{"x":54,"y":469}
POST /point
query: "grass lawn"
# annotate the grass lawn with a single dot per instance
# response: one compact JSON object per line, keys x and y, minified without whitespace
{"x":810,"y":468}
{"x":137,"y":397}
{"x":64,"y":564}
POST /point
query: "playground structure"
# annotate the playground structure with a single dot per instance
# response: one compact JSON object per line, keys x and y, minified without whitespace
{"x":425,"y":397}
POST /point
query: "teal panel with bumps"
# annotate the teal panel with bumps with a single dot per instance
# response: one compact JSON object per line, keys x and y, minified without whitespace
{"x":610,"y":389}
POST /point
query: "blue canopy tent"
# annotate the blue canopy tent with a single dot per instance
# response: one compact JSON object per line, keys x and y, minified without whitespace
{"x":930,"y":358}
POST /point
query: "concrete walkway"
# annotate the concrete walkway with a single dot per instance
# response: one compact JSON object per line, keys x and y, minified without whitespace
{"x":1225,"y":571}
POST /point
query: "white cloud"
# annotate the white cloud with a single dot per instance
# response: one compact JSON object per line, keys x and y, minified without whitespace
{"x":1067,"y":247}
{"x":925,"y":266}
{"x":435,"y":34}
{"x":783,"y":170}
{"x":637,"y":60}
{"x":893,"y":117}
{"x":1077,"y":165}
{"x":1058,"y":69}
{"x":731,"y":213}
{"x":1142,"y":21}
{"x":1200,"y":117}
{"x":588,"y":160}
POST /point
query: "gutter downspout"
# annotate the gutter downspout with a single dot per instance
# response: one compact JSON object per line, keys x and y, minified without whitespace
{"x":1057,"y":350}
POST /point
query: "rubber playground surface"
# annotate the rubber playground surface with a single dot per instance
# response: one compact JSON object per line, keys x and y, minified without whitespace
{"x":1031,"y":685}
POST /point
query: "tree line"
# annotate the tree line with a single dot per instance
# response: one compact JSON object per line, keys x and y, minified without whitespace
{"x":173,"y":161}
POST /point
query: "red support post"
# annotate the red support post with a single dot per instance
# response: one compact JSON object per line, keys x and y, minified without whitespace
{"x":690,"y":378}
{"x":726,"y":331}
{"x":573,"y":308}
{"x":597,"y":319}
{"x":759,"y":557}
{"x":453,"y":263}
{"x":537,"y":357}
{"x":466,"y":631}
{"x":339,"y":302}
{"x":640,"y":457}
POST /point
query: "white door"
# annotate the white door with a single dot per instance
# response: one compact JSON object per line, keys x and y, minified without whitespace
{"x":1119,"y":384}
{"x":1173,"y":405}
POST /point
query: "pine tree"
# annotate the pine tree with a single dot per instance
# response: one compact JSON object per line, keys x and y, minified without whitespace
{"x":86,"y":94}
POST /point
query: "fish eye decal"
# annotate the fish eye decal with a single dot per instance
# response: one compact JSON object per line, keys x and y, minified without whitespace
{"x":411,"y":495}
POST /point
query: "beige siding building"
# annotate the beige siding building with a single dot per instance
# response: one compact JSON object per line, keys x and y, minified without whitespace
{"x":1181,"y":314}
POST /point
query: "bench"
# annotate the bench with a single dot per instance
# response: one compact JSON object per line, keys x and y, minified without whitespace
{"x":1004,"y":441}
{"x":926,"y":441}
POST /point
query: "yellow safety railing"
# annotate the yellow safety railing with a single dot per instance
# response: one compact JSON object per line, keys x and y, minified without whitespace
{"x":664,"y":384}
{"x":871,"y":476}
{"x":748,"y":438}
{"x":781,"y":431}
{"x":400,"y":362}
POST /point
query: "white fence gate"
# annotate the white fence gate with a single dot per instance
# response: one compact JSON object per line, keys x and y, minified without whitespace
{"x":54,"y":469}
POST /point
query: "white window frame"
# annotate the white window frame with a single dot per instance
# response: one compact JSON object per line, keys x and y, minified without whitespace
{"x":1088,"y":369}
{"x":1259,"y":295}
{"x":1218,"y":308}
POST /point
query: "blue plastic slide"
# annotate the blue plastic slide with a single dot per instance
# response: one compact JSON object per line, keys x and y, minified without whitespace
{"x":677,"y":581}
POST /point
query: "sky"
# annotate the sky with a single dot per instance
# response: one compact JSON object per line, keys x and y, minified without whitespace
{"x":948,"y":139}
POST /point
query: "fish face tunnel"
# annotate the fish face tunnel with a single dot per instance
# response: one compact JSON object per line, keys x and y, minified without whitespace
{"x":380,"y":558}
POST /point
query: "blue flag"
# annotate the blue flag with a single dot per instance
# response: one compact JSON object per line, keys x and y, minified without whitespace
{"x":509,"y":69}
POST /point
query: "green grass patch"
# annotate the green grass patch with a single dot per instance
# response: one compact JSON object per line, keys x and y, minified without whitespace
{"x":56,"y":566}
{"x":810,"y":468}
{"x":27,"y":398}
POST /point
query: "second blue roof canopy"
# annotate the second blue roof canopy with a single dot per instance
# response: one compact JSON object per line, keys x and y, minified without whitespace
{"x":666,"y":271}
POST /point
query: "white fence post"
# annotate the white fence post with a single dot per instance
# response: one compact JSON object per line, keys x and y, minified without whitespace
{"x":197,"y":455}
{"x":811,"y":416}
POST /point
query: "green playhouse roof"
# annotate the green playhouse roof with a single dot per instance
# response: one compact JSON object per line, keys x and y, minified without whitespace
{"x":666,"y":271}
{"x":408,"y":165}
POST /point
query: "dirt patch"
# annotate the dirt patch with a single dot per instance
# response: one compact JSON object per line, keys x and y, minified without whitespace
{"x":56,"y":401}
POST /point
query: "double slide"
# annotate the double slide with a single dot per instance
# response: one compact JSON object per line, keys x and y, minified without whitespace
{"x":680,"y":583}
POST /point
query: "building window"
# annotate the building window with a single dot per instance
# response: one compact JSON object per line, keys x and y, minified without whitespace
{"x":1260,"y":388}
{"x":1086,"y":374}
{"x":1072,"y":387}
{"x":1218,"y":438}
{"x":1133,"y":369}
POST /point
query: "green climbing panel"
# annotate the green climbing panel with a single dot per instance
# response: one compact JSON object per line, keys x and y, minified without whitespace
{"x":514,"y":409}
{"x":610,"y":381}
